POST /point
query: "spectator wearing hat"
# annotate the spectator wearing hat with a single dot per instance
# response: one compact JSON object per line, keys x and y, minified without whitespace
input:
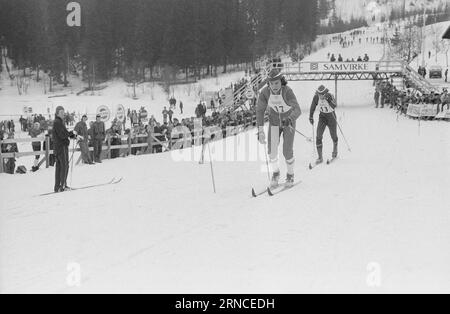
{"x":10,"y":165}
{"x":61,"y":141}
{"x":99,"y":135}
{"x":34,"y":133}
{"x":82,"y":130}
{"x":114,"y":134}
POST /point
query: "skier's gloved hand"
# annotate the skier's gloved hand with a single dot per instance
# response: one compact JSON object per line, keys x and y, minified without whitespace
{"x":80,"y":138}
{"x":262,"y":137}
{"x":311,"y":120}
{"x":287,"y":123}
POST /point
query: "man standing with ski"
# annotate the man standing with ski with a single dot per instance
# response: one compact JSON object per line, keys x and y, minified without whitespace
{"x":327,"y":118}
{"x":61,"y":141}
{"x":284,"y":111}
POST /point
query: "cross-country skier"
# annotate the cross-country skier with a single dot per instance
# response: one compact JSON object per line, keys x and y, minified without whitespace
{"x":327,"y":118}
{"x":284,"y":111}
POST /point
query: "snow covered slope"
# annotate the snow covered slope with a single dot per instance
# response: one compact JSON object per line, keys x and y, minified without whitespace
{"x":163,"y":230}
{"x":346,"y":9}
{"x":150,"y":96}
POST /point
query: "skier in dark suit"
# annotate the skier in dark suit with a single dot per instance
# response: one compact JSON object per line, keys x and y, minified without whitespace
{"x":61,"y":140}
{"x":327,"y":118}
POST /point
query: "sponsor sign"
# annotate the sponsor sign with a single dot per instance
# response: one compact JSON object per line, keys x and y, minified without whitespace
{"x":104,"y":113}
{"x":338,"y":67}
{"x":250,"y":94}
{"x":120,"y":113}
{"x":144,"y":115}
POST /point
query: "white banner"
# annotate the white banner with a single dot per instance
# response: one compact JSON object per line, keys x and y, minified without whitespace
{"x":338,"y":67}
{"x":421,"y":110}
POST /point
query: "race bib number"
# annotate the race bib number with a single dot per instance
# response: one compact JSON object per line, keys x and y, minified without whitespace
{"x":277,"y":103}
{"x":325,"y":107}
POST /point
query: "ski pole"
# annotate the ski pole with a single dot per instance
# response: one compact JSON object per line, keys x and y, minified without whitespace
{"x":307,"y":138}
{"x":212,"y":169}
{"x":314,"y":141}
{"x":340,"y":129}
{"x":75,"y":144}
{"x":267,"y":162}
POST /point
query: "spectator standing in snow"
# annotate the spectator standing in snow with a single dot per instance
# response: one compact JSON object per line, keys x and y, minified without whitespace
{"x":99,"y":133}
{"x":170,"y":113}
{"x":34,"y":133}
{"x":165,"y":114}
{"x":82,"y":130}
{"x":10,"y":165}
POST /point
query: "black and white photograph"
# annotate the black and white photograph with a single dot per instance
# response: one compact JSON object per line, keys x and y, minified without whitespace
{"x":224,"y":147}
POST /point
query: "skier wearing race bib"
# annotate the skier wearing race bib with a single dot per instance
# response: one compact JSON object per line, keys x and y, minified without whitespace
{"x":284,"y":111}
{"x":327,"y":118}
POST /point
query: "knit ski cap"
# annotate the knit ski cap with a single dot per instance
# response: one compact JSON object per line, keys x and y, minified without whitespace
{"x":275,"y":75}
{"x":322,"y":90}
{"x":58,"y":109}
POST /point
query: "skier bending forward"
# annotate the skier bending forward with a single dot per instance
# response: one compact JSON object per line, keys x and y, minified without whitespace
{"x":327,"y":105}
{"x":284,"y":111}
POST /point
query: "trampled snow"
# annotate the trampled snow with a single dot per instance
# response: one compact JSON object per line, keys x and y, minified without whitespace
{"x":381,"y":211}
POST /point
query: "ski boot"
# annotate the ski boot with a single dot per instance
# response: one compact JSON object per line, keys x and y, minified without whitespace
{"x":335,"y":150}
{"x":289,"y":181}
{"x":274,"y":183}
{"x":320,"y":153}
{"x":66,"y":189}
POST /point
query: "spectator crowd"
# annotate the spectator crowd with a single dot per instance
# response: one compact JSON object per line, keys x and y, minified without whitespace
{"x":332,"y":57}
{"x":386,"y":94}
{"x":160,"y":136}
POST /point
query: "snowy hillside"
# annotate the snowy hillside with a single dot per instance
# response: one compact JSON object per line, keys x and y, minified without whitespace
{"x":346,"y":9}
{"x":433,"y":44}
{"x":150,"y":95}
{"x":163,"y":230}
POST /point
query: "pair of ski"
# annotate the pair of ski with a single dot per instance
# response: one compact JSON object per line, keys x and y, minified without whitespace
{"x":272,"y":191}
{"x":113,"y":181}
{"x":282,"y":188}
{"x":329,"y":162}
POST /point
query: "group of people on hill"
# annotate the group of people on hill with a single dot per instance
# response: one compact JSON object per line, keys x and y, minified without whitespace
{"x":27,"y":123}
{"x":386,"y":94}
{"x":357,"y":36}
{"x":7,"y":126}
{"x":332,"y":58}
{"x":9,"y":164}
{"x":238,"y":85}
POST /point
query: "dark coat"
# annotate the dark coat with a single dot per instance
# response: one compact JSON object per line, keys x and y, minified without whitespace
{"x":82,"y":130}
{"x":61,"y":135}
{"x":99,"y":131}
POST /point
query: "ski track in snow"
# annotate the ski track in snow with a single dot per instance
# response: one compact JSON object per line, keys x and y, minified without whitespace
{"x":163,"y":230}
